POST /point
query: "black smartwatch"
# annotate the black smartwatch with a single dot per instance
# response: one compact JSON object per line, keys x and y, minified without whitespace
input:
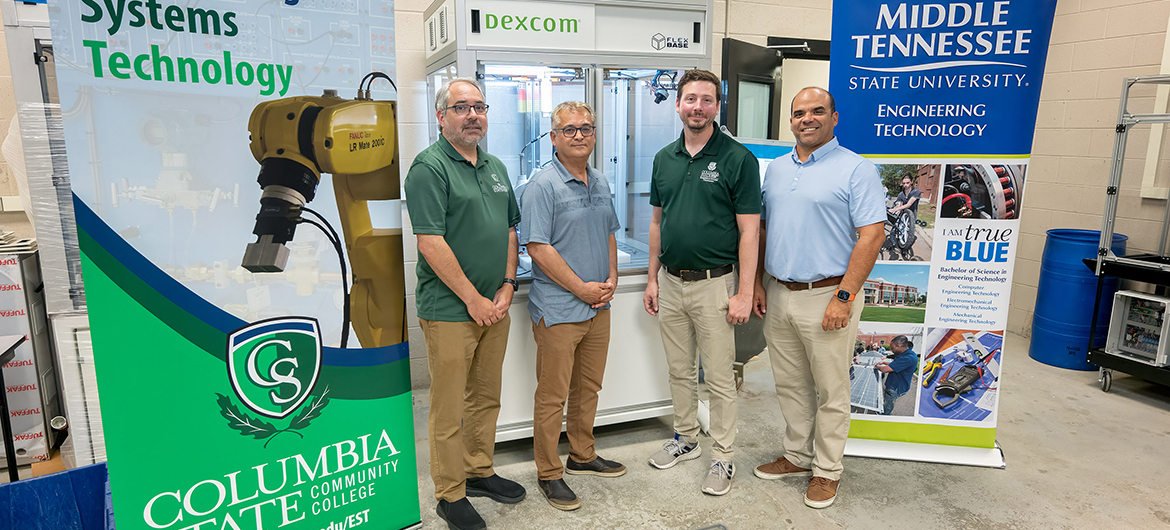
{"x":845,"y":296}
{"x":515,"y":284}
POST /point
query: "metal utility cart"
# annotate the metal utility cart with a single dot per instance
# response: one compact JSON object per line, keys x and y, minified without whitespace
{"x":1146,"y":267}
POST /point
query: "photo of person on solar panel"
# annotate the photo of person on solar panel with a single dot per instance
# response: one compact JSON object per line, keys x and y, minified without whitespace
{"x":885,"y":369}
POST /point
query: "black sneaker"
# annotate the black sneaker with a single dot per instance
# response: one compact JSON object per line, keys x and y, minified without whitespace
{"x":559,"y":495}
{"x":599,"y":466}
{"x":460,"y":515}
{"x":496,"y":488}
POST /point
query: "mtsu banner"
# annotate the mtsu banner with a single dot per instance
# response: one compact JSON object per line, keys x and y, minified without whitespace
{"x":943,"y":98}
{"x":920,"y":78}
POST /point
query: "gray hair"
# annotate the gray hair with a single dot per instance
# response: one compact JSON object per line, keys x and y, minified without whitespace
{"x":901,"y":341}
{"x":572,"y":106}
{"x":442,"y":96}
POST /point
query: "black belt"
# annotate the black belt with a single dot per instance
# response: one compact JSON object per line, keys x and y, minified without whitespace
{"x":694,"y":275}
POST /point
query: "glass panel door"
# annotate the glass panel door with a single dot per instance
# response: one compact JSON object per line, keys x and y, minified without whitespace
{"x":435,"y":81}
{"x":639,"y":120}
{"x":522,"y":98}
{"x":754,"y":110}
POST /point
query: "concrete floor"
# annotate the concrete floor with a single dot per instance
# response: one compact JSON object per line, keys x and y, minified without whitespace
{"x":1076,"y":458}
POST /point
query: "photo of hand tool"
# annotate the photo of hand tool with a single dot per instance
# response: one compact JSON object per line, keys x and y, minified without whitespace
{"x":960,"y":376}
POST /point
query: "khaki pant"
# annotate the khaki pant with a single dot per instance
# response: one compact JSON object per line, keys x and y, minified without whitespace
{"x":570,"y":363}
{"x":692,"y":317}
{"x":811,"y":369}
{"x":465,"y":362}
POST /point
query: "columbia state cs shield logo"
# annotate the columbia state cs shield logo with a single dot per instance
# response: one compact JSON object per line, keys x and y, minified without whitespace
{"x":273,"y":368}
{"x":273,"y":365}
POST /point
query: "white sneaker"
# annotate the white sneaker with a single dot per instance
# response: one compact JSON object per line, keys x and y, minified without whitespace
{"x":718,"y":481}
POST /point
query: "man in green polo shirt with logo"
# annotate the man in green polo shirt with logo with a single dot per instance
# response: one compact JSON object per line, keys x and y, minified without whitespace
{"x":705,"y":191}
{"x":464,"y":211}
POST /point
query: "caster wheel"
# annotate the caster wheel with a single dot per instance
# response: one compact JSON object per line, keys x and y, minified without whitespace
{"x":1106,"y":380}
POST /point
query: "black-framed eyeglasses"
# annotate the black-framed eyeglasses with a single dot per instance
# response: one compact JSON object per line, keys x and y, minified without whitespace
{"x":570,"y":131}
{"x":462,"y":109}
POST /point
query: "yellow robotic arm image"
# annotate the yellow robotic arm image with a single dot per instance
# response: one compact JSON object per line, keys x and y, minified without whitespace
{"x":296,"y":140}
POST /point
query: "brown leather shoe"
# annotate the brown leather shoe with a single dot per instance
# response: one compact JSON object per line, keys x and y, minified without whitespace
{"x":821,"y":492}
{"x":780,"y":468}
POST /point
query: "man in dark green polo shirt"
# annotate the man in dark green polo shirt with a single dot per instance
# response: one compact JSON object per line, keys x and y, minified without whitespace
{"x":464,"y":211}
{"x":705,"y":191}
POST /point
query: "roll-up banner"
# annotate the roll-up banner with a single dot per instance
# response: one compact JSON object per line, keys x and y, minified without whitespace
{"x":235,"y":392}
{"x":942,"y":97}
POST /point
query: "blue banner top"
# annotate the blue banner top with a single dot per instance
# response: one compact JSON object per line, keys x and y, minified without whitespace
{"x":930,"y":79}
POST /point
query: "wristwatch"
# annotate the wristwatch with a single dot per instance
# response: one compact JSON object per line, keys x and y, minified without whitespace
{"x":845,"y":296}
{"x":515,"y":285}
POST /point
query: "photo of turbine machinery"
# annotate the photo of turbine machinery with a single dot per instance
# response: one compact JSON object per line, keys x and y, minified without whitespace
{"x":981,"y":191}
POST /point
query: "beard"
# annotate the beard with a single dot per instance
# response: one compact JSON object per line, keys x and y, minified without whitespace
{"x":468,"y":135}
{"x":705,"y":121}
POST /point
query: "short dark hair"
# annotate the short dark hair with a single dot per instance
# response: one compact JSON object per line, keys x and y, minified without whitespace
{"x":832,"y":100}
{"x":700,"y":75}
{"x":901,"y":341}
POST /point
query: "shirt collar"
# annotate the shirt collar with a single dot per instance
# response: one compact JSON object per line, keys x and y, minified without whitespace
{"x":819,"y":153}
{"x":449,"y":149}
{"x":564,"y":171}
{"x":711,"y":149}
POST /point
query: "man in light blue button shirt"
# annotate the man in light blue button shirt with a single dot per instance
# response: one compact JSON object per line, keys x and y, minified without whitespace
{"x":568,"y":222}
{"x":823,"y":217}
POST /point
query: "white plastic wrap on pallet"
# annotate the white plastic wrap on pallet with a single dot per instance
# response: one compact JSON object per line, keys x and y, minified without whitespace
{"x":50,"y":208}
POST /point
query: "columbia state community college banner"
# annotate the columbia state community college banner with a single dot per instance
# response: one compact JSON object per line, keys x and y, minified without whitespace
{"x":945,"y":94}
{"x":228,"y":397}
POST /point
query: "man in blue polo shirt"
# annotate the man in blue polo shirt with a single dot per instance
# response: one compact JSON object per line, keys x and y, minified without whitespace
{"x":824,"y":211}
{"x":898,"y":370}
{"x":568,"y":223}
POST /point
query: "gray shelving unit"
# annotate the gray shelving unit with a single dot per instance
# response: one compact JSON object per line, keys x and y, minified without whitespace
{"x":1153,"y":268}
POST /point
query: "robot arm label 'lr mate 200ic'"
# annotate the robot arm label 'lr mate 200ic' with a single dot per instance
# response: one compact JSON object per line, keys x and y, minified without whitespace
{"x":296,"y":140}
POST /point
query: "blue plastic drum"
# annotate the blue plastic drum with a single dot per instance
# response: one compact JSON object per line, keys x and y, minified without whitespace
{"x":1065,"y":297}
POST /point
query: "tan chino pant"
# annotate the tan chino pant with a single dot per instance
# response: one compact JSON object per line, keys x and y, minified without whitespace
{"x":692,"y":317}
{"x":570,"y":364}
{"x":465,"y":361}
{"x":811,"y":369}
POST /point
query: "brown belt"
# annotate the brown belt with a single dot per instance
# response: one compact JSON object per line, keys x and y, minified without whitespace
{"x":800,"y":286}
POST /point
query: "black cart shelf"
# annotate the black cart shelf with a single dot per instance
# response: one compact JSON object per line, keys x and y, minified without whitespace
{"x":1148,"y":268}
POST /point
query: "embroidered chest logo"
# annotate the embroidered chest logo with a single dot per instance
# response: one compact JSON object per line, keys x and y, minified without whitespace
{"x":709,"y":174}
{"x":498,"y":187}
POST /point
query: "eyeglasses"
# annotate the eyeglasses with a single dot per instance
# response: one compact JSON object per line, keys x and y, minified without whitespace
{"x":570,"y":131}
{"x":462,"y":109}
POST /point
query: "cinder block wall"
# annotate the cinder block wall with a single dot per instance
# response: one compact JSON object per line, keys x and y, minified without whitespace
{"x":412,"y":138}
{"x":1095,"y":45}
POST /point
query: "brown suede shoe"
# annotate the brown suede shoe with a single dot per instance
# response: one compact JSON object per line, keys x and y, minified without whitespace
{"x":779,"y":468}
{"x":821,"y":492}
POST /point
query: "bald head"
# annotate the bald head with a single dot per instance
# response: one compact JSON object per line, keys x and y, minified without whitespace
{"x":821,"y":91}
{"x":814,"y":115}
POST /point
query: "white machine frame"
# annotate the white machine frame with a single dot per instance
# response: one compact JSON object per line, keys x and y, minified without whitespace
{"x":636,"y":384}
